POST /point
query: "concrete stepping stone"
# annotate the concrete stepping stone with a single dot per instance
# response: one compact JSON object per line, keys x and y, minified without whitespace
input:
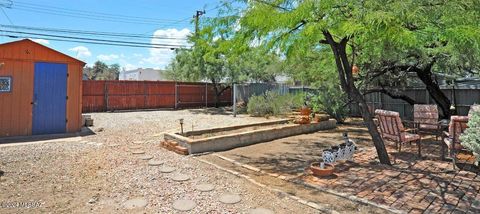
{"x":135,"y":203}
{"x":184,"y":205}
{"x":260,"y":211}
{"x":155,"y":163}
{"x":180,"y":177}
{"x":146,"y":157}
{"x":138,"y":152}
{"x":166,"y":169}
{"x":205,"y":187}
{"x":230,"y":198}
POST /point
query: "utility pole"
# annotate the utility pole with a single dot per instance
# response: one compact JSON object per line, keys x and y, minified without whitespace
{"x":196,"y":17}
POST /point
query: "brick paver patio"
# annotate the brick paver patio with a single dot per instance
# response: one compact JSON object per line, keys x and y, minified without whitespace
{"x":414,"y":185}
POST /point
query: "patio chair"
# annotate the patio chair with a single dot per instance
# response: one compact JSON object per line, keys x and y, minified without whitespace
{"x":391,"y":128}
{"x":451,"y":139}
{"x":426,"y":118}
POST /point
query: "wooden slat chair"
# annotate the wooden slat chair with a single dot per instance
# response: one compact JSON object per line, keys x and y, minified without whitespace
{"x":426,"y":117}
{"x":451,"y":139}
{"x":391,"y":128}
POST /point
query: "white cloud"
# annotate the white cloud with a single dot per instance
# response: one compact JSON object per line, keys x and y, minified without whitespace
{"x":81,"y":51}
{"x":162,"y":57}
{"x":129,"y":67}
{"x":41,"y":41}
{"x":110,"y":57}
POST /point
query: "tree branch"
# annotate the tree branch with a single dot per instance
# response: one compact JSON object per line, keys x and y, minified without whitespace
{"x":391,"y":94}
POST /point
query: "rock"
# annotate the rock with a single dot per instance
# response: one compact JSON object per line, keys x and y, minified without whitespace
{"x":93,"y":200}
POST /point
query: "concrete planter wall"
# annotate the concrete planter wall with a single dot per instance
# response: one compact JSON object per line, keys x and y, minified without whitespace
{"x":230,"y":141}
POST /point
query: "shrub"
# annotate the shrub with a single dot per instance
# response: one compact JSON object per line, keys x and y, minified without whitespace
{"x":332,"y":100}
{"x":471,"y":137}
{"x":273,"y":103}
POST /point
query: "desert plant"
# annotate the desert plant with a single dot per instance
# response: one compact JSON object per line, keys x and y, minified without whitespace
{"x":258,"y":106}
{"x":273,"y":103}
{"x":471,"y":137}
{"x":330,"y":99}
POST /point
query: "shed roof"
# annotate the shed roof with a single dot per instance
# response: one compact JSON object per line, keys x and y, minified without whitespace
{"x":30,"y":43}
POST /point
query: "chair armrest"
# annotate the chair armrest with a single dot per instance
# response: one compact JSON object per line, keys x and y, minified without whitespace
{"x":414,"y":130}
{"x":446,"y":134}
{"x":410,"y":124}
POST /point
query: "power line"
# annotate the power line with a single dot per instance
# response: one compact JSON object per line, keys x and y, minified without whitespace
{"x":36,"y":8}
{"x":87,"y":42}
{"x":188,"y":18}
{"x":8,"y":18}
{"x":89,"y":17}
{"x":92,"y":39}
{"x":96,"y":13}
{"x":92,"y":33}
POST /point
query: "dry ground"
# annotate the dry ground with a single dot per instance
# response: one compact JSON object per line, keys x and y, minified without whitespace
{"x":98,"y":173}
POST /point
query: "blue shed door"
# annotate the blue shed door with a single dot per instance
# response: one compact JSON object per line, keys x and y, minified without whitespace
{"x":49,"y":98}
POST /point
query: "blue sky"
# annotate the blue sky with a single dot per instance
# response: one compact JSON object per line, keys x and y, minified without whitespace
{"x":38,"y":13}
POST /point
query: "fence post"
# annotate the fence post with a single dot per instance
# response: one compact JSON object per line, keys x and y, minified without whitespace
{"x":106,"y":95}
{"x":234,"y":100}
{"x":427,"y":98}
{"x":206,"y":95}
{"x":176,"y":95}
{"x":144,"y":94}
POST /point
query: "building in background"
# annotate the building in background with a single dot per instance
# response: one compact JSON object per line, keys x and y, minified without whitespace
{"x":143,"y":74}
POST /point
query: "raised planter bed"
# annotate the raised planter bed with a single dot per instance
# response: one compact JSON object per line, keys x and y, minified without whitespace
{"x":196,"y":142}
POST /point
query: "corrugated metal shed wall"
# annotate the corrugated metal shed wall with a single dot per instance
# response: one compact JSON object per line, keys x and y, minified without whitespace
{"x":18,"y":60}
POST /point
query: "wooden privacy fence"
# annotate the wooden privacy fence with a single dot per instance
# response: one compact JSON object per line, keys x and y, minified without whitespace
{"x":108,"y":95}
{"x":462,"y":99}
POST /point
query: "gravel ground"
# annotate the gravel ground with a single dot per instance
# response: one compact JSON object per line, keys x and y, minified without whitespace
{"x":98,"y":173}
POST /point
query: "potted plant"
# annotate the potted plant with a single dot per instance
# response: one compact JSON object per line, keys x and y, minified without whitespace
{"x":322,"y":169}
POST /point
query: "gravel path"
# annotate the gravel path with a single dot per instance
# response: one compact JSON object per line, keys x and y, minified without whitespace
{"x":99,"y":173}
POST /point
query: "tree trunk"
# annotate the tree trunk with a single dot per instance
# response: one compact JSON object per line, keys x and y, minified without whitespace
{"x":425,"y":75}
{"x":218,"y":92}
{"x":347,"y":82}
{"x":215,"y":88}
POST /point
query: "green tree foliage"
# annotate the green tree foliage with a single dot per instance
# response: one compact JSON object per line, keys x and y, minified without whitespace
{"x":102,"y":71}
{"x":380,"y":36}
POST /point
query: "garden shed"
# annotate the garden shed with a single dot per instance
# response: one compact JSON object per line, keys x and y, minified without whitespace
{"x":40,"y":90}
